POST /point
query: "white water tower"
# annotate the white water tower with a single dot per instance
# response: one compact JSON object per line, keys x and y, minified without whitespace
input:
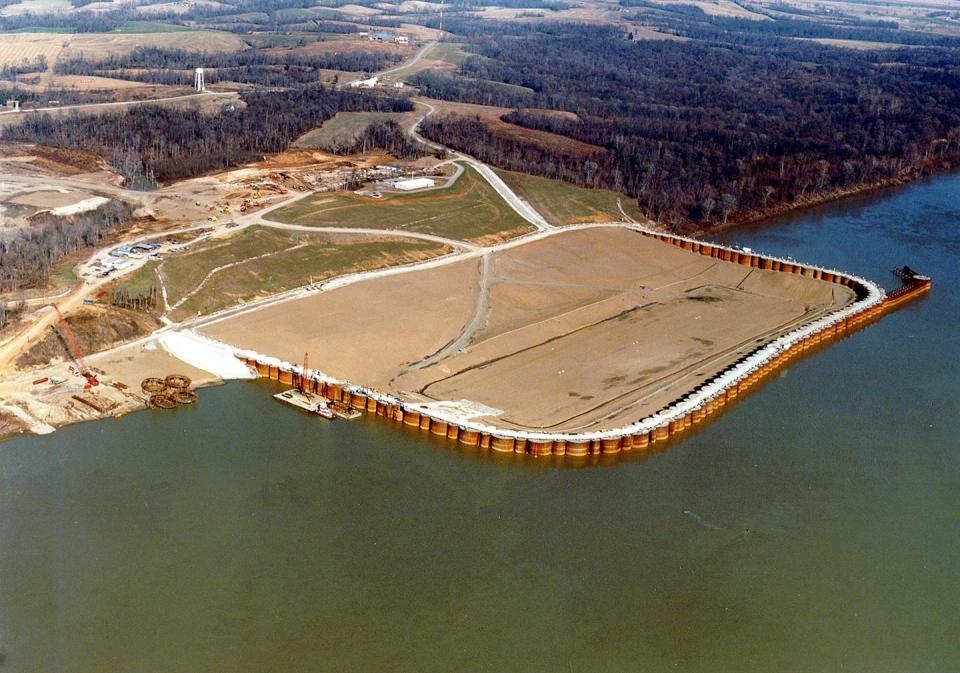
{"x":198,"y":83}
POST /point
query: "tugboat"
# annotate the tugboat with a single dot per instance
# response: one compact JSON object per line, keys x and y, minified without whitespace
{"x":323,"y":410}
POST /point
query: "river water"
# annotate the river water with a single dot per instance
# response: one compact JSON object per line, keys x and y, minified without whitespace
{"x":814,"y":527}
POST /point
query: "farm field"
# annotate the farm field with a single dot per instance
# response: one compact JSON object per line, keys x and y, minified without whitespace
{"x":344,"y":127}
{"x":562,"y":203}
{"x":15,"y":47}
{"x":257,"y":262}
{"x":18,"y":47}
{"x":469,"y":210}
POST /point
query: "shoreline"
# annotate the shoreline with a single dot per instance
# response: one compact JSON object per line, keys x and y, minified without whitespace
{"x":672,"y":419}
{"x":760,"y":217}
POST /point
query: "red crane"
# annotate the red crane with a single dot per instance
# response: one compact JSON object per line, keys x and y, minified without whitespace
{"x":303,"y":375}
{"x":75,"y":351}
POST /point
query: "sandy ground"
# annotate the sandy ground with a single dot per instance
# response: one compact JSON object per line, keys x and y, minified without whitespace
{"x":585,"y":330}
{"x":54,"y":404}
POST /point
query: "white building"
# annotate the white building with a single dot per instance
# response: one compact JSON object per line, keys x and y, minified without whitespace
{"x":365,"y":83}
{"x":413,"y":183}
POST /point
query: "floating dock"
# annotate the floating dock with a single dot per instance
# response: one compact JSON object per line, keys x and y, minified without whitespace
{"x":315,"y":404}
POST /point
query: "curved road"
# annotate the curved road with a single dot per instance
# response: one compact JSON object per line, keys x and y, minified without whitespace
{"x":21,"y":341}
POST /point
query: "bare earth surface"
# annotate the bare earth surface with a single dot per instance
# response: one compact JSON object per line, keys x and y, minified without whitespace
{"x":584,"y":330}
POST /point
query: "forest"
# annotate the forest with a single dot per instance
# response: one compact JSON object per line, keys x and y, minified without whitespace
{"x":150,"y":142}
{"x":385,"y":135}
{"x":175,"y":66}
{"x":27,"y":256}
{"x":731,"y":125}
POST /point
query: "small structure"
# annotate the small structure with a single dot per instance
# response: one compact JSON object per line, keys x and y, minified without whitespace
{"x":398,"y":85}
{"x":413,"y":183}
{"x":381,"y":36}
{"x":365,"y":83}
{"x":13,"y":104}
{"x":401,"y":39}
{"x":198,"y":82}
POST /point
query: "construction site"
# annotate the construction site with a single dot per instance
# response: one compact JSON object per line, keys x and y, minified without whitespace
{"x":565,"y":366}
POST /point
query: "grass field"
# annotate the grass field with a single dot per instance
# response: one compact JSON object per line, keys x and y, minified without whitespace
{"x":265,"y":262}
{"x":469,"y":210}
{"x":141,"y":280}
{"x":183,"y":273}
{"x":344,"y":127}
{"x":562,"y":203}
{"x":18,"y":47}
{"x":442,"y":56}
{"x":152,"y":27}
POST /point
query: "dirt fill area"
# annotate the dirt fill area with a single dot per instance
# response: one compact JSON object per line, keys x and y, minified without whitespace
{"x":584,"y":330}
{"x":367,"y":331}
{"x":94,"y":328}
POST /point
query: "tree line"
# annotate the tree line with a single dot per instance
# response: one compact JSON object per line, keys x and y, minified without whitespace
{"x":386,"y":135}
{"x":728,"y":126}
{"x":156,"y":65}
{"x":167,"y":143}
{"x":27,"y":256}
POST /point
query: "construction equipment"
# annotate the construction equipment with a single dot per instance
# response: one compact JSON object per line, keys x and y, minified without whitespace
{"x":303,"y":376}
{"x":75,"y":350}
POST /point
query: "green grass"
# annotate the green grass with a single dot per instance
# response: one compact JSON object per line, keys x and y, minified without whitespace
{"x":469,"y":210}
{"x":64,"y":275}
{"x":318,"y":260}
{"x":41,"y":29}
{"x":562,"y":203}
{"x":152,"y":27}
{"x":344,"y":127}
{"x":140,"y":281}
{"x":183,"y":273}
{"x":449,"y":52}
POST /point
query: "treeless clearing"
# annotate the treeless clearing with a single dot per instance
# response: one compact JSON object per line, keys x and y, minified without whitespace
{"x":648,"y":33}
{"x":857,"y":44}
{"x":344,"y":127}
{"x":258,"y":262}
{"x":585,"y":330}
{"x":469,"y":210}
{"x":93,"y":82}
{"x":96,"y":46}
{"x":718,"y":8}
{"x":391,"y":321}
{"x":563,"y":203}
{"x":491,"y":115}
{"x":18,"y":47}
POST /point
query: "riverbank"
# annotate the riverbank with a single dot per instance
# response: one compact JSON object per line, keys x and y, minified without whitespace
{"x":764,"y":215}
{"x":643,"y":413}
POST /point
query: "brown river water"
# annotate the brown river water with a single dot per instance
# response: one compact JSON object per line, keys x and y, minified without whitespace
{"x":815,"y":527}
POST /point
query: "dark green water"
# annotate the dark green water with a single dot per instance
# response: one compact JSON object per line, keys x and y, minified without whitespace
{"x":815,"y":527}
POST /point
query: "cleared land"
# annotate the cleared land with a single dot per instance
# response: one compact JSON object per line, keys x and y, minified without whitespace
{"x":587,"y":329}
{"x":492,"y":114}
{"x":259,"y":262}
{"x":562,"y":203}
{"x":94,"y":46}
{"x":16,"y":48}
{"x":469,"y":210}
{"x":391,"y":322}
{"x":344,"y":127}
